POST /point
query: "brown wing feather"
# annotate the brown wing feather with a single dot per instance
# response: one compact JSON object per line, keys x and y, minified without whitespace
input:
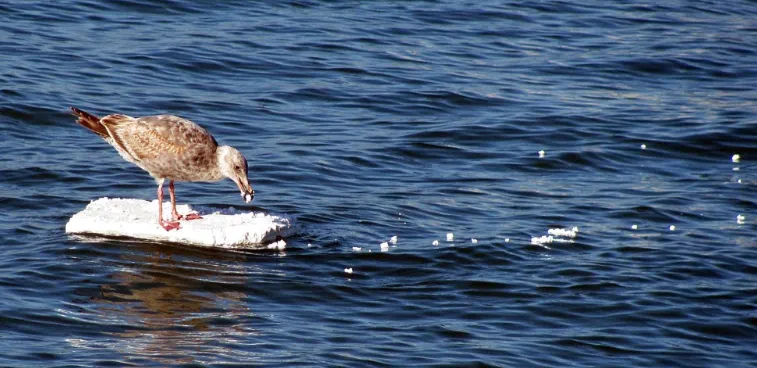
{"x":167,"y":135}
{"x":90,"y":122}
{"x":165,"y":145}
{"x":115,"y":124}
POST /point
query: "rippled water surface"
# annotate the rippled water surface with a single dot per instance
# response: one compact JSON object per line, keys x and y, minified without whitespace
{"x":368,"y":120}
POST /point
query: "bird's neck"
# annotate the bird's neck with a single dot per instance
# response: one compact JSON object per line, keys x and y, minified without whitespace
{"x":221,"y":158}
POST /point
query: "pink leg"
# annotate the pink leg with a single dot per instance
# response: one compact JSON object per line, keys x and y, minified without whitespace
{"x":168,"y":225}
{"x":174,"y":213}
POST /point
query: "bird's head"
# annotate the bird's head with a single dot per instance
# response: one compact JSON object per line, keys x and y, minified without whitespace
{"x":234,"y":166}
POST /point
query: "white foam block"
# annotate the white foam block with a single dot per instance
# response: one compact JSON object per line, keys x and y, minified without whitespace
{"x":136,"y":218}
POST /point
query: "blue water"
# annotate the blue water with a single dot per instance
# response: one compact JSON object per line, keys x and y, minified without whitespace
{"x":367,"y":120}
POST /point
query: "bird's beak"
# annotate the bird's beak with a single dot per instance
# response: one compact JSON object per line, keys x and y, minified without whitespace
{"x":245,"y":189}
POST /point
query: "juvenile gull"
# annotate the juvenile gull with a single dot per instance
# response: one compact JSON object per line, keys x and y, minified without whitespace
{"x":170,"y":148}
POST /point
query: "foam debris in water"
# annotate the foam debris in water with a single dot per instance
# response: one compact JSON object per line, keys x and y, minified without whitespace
{"x":348,"y":270}
{"x":436,"y":242}
{"x":634,"y":227}
{"x":384,"y":246}
{"x":474,"y":240}
{"x":541,"y":241}
{"x":136,"y":218}
{"x":542,"y":153}
{"x":393,"y":240}
{"x":568,"y":233}
{"x":507,"y":240}
{"x":450,"y":236}
{"x":643,"y":146}
{"x":357,"y":249}
{"x":736,"y":158}
{"x":672,"y":227}
{"x":740,"y":219}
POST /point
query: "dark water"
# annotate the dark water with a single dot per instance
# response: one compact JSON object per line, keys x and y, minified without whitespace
{"x":367,"y":120}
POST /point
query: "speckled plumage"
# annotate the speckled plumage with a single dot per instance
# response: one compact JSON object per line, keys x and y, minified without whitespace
{"x":165,"y":146}
{"x":170,"y":148}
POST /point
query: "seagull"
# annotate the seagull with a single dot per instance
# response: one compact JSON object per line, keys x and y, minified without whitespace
{"x":170,"y":148}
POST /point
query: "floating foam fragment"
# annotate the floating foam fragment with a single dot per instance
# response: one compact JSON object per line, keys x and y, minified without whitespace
{"x":393,"y":240}
{"x":450,"y":236}
{"x":568,"y":233}
{"x":634,"y":227}
{"x":740,"y":219}
{"x":384,"y":246}
{"x":348,"y":270}
{"x":541,"y":241}
{"x":474,"y":240}
{"x":507,"y":240}
{"x":542,"y":153}
{"x":436,"y":242}
{"x":672,"y":227}
{"x":736,"y":158}
{"x":136,"y":218}
{"x":643,"y":146}
{"x":356,"y":249}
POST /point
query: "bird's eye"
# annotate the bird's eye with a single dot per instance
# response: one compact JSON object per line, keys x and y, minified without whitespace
{"x":236,"y":167}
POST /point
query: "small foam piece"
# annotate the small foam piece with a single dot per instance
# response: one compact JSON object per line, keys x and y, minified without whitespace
{"x":450,"y":236}
{"x":348,"y":270}
{"x":736,"y":158}
{"x":393,"y":240}
{"x":542,"y":153}
{"x":136,"y":218}
{"x":384,"y":246}
{"x":740,"y":219}
{"x":643,"y":146}
{"x":540,"y":241}
{"x":634,"y":227}
{"x":436,"y":242}
{"x":357,"y":249}
{"x":474,"y":240}
{"x":568,"y":233}
{"x":672,"y":227}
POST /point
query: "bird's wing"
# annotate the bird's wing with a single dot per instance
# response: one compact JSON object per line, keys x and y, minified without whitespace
{"x":148,"y":137}
{"x":115,"y":124}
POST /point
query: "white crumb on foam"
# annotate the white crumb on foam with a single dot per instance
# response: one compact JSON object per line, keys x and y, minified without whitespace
{"x":136,"y":218}
{"x":281,"y":244}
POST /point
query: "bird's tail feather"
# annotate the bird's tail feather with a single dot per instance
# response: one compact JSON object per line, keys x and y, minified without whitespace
{"x":90,"y":122}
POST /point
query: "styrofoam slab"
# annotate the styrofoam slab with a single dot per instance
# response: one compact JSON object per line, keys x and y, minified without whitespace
{"x":136,"y":218}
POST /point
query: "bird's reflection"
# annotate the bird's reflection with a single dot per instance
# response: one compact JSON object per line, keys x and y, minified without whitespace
{"x":178,"y":304}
